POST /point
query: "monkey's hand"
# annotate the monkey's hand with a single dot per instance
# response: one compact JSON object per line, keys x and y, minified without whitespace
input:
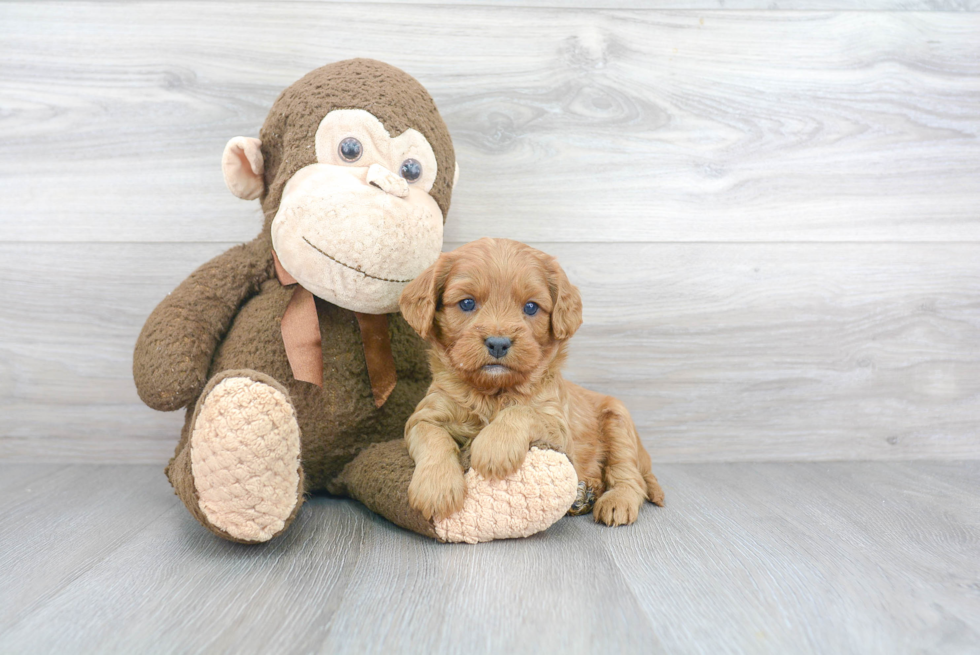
{"x":175,"y":348}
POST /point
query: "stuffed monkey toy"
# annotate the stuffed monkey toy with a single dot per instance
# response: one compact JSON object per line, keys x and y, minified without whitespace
{"x":296,"y":370}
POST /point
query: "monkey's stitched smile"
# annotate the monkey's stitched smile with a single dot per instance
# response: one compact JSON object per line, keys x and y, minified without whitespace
{"x":353,"y":268}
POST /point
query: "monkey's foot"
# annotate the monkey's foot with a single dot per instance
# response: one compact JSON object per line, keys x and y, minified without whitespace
{"x":529,"y":501}
{"x":245,"y":449}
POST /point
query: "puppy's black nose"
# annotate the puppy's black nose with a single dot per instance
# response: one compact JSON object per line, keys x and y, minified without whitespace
{"x":498,"y":346}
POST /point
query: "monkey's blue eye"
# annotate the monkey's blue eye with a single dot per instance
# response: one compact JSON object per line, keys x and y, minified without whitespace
{"x":350,"y":149}
{"x":531,"y":308}
{"x":411,"y":170}
{"x":467,"y":304}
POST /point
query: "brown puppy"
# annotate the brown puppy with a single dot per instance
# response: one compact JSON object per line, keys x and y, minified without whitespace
{"x":498,"y":314}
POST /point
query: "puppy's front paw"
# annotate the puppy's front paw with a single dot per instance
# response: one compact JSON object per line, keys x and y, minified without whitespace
{"x":437,"y":490}
{"x":497,"y":452}
{"x":619,"y":506}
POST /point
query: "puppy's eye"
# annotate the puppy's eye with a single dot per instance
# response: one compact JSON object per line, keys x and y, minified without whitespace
{"x":350,"y":149}
{"x":531,"y":308}
{"x":467,"y":304}
{"x":411,"y":170}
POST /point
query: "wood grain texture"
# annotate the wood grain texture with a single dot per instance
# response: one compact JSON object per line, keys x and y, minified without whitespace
{"x":79,"y":535}
{"x":570,"y":124}
{"x":868,"y":557}
{"x":721,"y":351}
{"x":813,"y":558}
{"x":726,"y":5}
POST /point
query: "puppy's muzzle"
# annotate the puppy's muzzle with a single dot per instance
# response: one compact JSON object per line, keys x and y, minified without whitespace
{"x":497,"y":346}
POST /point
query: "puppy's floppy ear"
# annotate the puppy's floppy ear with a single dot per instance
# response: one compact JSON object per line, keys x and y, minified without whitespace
{"x":420,"y":299}
{"x":566,"y":314}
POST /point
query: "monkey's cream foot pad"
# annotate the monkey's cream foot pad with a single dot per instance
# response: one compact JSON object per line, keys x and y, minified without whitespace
{"x":245,"y":450}
{"x":529,"y":501}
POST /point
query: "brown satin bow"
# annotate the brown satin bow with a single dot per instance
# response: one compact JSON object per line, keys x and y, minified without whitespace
{"x":301,"y":336}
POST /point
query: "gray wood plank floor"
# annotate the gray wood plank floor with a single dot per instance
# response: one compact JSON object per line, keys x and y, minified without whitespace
{"x":869,"y":557}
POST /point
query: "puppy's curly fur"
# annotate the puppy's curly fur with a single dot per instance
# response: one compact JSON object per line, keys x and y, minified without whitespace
{"x":497,"y":403}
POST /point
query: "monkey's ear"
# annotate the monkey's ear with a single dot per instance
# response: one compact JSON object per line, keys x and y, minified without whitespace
{"x":456,"y":175}
{"x":566,"y":314}
{"x":420,"y":298}
{"x":242,"y":166}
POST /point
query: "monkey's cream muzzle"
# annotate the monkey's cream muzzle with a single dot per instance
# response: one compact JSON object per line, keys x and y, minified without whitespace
{"x":355,"y":236}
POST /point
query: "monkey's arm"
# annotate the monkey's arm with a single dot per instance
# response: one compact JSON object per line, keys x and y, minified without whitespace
{"x":426,"y":491}
{"x":178,"y":340}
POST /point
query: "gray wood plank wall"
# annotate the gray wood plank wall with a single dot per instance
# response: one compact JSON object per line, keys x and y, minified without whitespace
{"x":773,"y":216}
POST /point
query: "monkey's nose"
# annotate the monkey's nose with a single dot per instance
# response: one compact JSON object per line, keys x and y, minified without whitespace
{"x":498,"y":346}
{"x":387,"y":181}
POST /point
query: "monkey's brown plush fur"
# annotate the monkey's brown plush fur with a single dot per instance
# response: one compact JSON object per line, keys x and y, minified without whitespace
{"x":215,"y":346}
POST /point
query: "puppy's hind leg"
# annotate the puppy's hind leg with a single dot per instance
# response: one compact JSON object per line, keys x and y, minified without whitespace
{"x":654,"y":493}
{"x":627,"y":486}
